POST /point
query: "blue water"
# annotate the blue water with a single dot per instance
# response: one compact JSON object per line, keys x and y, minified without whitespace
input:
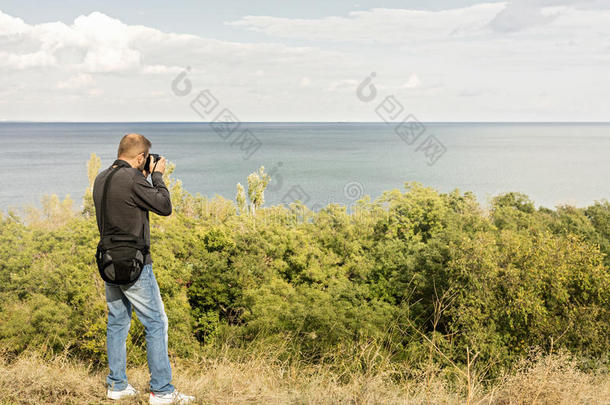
{"x":320,"y":163}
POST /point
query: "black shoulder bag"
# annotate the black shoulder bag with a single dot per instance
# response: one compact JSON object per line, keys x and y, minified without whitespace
{"x":119,"y":257}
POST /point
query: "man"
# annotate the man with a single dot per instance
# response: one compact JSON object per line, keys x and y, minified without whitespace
{"x":130,"y":197}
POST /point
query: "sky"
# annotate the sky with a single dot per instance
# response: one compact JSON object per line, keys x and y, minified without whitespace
{"x":459,"y":60}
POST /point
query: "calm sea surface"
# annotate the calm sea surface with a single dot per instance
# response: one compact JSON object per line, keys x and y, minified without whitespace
{"x":320,"y":163}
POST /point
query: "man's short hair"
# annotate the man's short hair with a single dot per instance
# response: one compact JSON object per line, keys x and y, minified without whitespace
{"x":133,"y":144}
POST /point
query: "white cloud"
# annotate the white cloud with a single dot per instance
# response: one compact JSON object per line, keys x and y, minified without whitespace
{"x":499,"y":57}
{"x":521,"y":14}
{"x":95,"y":92}
{"x":413,"y":82}
{"x":97,"y":43}
{"x":26,"y":60}
{"x":77,"y":82}
{"x":161,"y":69}
{"x":10,"y":25}
{"x":378,"y":25}
{"x":344,"y":84}
{"x":99,"y":55}
{"x":105,"y":44}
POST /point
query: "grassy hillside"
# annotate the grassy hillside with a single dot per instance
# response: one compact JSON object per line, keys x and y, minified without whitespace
{"x":552,"y":379}
{"x":417,"y":293}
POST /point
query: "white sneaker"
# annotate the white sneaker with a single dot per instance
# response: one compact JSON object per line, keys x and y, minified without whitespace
{"x":170,"y":398}
{"x":124,"y":393}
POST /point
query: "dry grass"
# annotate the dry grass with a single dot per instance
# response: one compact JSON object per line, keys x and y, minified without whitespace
{"x":30,"y":379}
{"x":551,"y":380}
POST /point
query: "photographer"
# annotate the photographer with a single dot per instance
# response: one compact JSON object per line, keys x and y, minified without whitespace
{"x":129,"y":198}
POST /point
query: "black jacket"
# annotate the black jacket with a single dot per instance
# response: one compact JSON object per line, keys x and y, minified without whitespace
{"x":130,"y":197}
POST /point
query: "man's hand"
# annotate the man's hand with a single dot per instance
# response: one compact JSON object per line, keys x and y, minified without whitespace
{"x":160,"y":165}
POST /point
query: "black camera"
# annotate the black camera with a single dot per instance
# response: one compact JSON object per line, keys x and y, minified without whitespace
{"x":151,"y":162}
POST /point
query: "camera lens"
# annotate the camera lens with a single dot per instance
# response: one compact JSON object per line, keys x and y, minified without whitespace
{"x":152,"y":158}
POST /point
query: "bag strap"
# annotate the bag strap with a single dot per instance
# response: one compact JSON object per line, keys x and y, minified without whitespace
{"x":104,"y":199}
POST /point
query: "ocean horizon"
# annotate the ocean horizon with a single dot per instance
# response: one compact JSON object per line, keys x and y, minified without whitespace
{"x":319,"y":163}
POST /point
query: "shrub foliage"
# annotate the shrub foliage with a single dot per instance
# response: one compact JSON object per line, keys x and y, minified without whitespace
{"x":413,"y":269}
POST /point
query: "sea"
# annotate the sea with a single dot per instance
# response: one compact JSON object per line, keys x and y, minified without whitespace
{"x":320,"y":163}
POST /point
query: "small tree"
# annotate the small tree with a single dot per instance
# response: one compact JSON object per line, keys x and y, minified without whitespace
{"x":241,"y":199}
{"x":93,"y":167}
{"x":257,"y":182}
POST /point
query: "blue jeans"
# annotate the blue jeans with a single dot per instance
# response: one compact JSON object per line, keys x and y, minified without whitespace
{"x":144,"y":296}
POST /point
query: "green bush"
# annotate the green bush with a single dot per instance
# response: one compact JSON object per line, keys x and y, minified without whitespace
{"x":411,"y":269}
